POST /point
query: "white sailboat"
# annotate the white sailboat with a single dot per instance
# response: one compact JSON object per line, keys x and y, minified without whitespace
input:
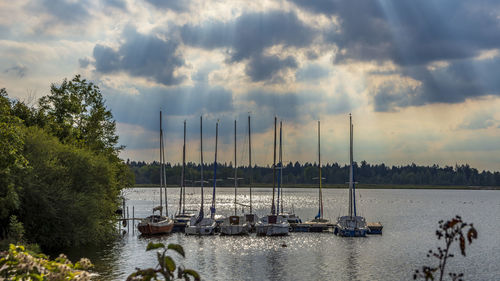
{"x":201,"y":225}
{"x":291,"y":218}
{"x":351,"y":225}
{"x":234,"y":225}
{"x":158,"y":224}
{"x":318,"y":224}
{"x":182,"y":217}
{"x":251,"y":218}
{"x":273,"y":224}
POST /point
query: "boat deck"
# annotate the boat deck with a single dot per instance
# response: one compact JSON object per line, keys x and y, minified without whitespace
{"x":374,"y":227}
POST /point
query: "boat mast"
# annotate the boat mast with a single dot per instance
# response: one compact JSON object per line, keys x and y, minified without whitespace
{"x":279,"y":172}
{"x":320,"y":211}
{"x":351,"y":176}
{"x":353,"y":181}
{"x":212,"y":209}
{"x":273,"y":209}
{"x":161,"y":167}
{"x":182,"y":206}
{"x":250,"y":162}
{"x":235,"y":170}
{"x":201,"y":161}
{"x":164,"y":176}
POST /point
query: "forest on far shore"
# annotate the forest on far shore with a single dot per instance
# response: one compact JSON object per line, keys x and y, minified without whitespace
{"x":307,"y":173}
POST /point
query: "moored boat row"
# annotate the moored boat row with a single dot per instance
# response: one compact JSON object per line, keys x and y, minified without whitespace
{"x":276,"y":223}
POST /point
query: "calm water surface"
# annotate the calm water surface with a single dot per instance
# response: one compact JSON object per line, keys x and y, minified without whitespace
{"x":409,"y":217}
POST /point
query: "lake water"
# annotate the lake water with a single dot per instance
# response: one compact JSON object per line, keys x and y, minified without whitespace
{"x":410,"y":218}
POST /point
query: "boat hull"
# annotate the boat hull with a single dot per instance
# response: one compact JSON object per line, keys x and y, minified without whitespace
{"x":351,"y":226}
{"x":234,"y":229}
{"x":349,"y":232}
{"x":199,"y":230}
{"x":272,"y":225}
{"x":205,"y":227}
{"x":149,"y":227}
{"x":272,"y":229}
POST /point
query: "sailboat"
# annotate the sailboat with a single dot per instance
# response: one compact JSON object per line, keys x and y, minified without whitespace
{"x":318,"y":224}
{"x":158,"y":224}
{"x":292,"y":219}
{"x":200,"y":225}
{"x":273,"y":224}
{"x":250,"y":218}
{"x":234,"y":225}
{"x":351,"y":225}
{"x":182,"y":217}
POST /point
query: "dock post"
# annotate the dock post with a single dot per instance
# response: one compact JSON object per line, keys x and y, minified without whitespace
{"x":128,"y":224}
{"x":133,"y":219}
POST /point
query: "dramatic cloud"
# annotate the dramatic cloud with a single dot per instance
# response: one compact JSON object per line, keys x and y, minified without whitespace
{"x":143,"y":56}
{"x":265,"y":67}
{"x":247,"y":37}
{"x":453,"y":83}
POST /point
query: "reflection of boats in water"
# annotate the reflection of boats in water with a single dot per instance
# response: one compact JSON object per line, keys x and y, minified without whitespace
{"x":201,"y":225}
{"x":158,"y":224}
{"x":273,"y":224}
{"x":351,"y":225}
{"x":234,"y":225}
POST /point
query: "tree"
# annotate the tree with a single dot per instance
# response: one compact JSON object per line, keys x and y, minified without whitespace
{"x":77,"y":113}
{"x":452,"y":230}
{"x":11,"y":161}
{"x":70,"y":195}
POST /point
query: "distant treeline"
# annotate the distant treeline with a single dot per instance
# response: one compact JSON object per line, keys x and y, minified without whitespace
{"x":148,"y":173}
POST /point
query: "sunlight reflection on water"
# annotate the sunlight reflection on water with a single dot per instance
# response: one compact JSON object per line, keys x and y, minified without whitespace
{"x":409,"y":217}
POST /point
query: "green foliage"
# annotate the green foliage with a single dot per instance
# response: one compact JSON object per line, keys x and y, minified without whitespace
{"x":450,"y":231}
{"x":70,"y":194}
{"x":166,"y":266}
{"x":59,"y":168}
{"x":11,"y":160}
{"x":16,"y":230}
{"x":19,"y":264}
{"x":77,"y":114}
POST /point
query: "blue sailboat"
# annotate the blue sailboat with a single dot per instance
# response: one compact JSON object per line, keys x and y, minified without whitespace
{"x":351,"y":225}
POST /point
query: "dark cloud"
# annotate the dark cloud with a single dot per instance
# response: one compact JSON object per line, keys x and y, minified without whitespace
{"x":454,"y":83}
{"x":261,"y":68}
{"x":119,"y":4}
{"x":143,"y":56}
{"x":84,"y":62}
{"x":247,"y":36}
{"x":409,"y":32}
{"x":414,"y":34}
{"x":67,"y":12}
{"x":174,"y":5}
{"x":17,"y":70}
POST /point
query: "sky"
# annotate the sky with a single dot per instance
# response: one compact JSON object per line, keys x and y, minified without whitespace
{"x":419,"y":77}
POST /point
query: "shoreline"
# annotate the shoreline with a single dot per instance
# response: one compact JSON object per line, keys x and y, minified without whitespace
{"x":344,"y":186}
